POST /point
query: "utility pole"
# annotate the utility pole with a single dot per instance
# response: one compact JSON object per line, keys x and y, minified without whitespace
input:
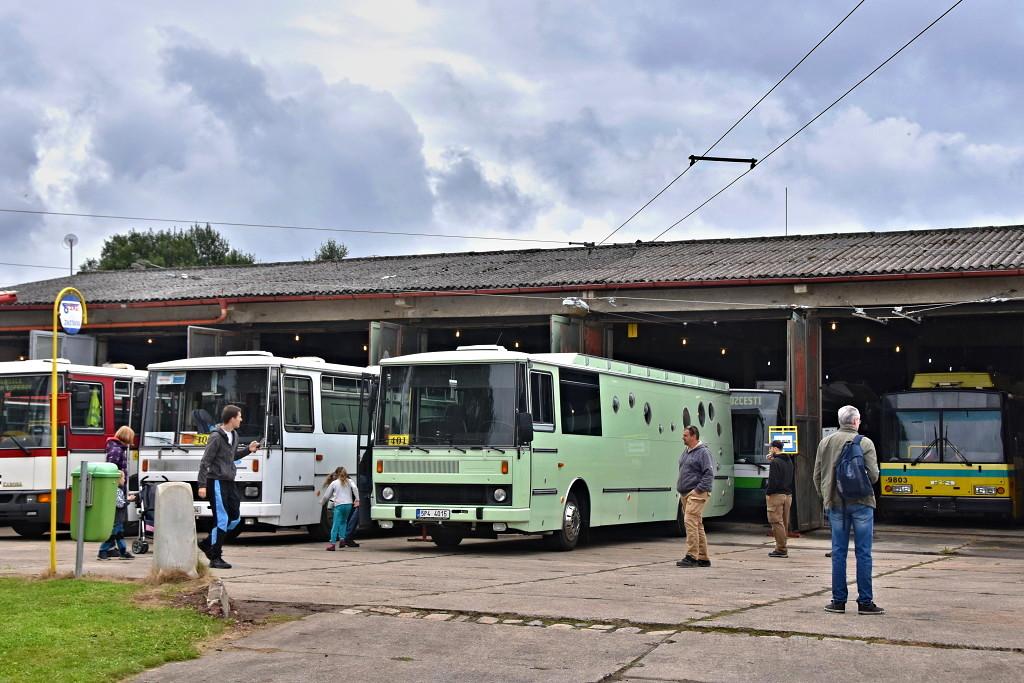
{"x":787,"y":211}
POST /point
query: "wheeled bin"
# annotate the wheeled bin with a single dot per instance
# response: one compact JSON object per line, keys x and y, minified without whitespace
{"x":100,"y":504}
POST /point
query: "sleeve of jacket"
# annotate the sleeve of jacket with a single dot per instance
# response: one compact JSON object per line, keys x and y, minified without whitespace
{"x":818,"y":466}
{"x":775,"y":475}
{"x":241,"y":450}
{"x":707,"y":475}
{"x":208,"y":455}
{"x":870,"y":458}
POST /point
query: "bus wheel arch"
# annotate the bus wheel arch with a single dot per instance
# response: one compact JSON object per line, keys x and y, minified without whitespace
{"x":30,"y":529}
{"x":574,"y":520}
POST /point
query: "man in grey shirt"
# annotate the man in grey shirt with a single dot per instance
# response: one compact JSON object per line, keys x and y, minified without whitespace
{"x":696,"y":477}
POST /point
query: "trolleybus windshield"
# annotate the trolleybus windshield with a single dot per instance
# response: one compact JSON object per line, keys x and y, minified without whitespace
{"x":752,"y":414}
{"x":448,"y":405}
{"x":951,"y":435}
{"x":25,"y":412}
{"x":184,"y":406}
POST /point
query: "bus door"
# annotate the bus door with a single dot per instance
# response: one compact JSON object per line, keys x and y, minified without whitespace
{"x":368,"y":387}
{"x":91,"y":408}
{"x":299,"y":410}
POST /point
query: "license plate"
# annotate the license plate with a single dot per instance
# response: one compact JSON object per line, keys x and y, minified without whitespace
{"x":433,"y":514}
{"x":198,"y":509}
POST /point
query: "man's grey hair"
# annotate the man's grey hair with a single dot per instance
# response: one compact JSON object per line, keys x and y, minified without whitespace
{"x":848,"y":415}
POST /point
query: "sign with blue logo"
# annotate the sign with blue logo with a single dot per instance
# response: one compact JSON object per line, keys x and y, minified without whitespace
{"x":69,"y":311}
{"x":785,"y":434}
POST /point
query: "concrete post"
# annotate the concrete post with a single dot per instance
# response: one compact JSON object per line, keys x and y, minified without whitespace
{"x":175,"y":536}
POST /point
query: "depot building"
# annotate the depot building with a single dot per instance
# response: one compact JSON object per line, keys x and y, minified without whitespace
{"x":829,"y":319}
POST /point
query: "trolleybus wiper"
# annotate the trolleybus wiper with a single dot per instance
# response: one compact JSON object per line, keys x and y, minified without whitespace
{"x":169,"y":442}
{"x":17,"y":443}
{"x":451,"y":444}
{"x":933,"y":444}
{"x":409,"y":448}
{"x":956,"y":450}
{"x":495,"y":448}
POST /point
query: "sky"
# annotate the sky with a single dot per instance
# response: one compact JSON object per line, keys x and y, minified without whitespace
{"x":528,"y":120}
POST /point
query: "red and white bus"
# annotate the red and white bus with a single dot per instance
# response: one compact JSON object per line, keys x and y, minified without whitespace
{"x":92,"y":403}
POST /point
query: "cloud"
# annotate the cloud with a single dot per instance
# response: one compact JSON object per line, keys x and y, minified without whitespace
{"x":467,"y":197}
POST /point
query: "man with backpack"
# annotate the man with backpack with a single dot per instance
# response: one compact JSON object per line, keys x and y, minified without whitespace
{"x":845,"y":468}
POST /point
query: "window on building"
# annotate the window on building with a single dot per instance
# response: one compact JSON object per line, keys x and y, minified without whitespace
{"x":298,"y":404}
{"x":580,"y":403}
{"x":542,"y":401}
{"x":86,"y":407}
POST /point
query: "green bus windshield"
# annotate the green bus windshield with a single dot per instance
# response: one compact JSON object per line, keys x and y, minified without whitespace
{"x":460,"y":405}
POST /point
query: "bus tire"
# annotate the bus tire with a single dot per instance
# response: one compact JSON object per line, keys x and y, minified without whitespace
{"x":568,"y":534}
{"x":446,"y":538}
{"x":322,"y":530}
{"x":30,"y":529}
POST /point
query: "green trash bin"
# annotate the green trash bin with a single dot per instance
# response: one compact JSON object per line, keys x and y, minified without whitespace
{"x":99,"y":515}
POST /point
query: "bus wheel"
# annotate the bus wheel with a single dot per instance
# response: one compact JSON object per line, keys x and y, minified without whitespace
{"x":322,"y":531}
{"x":568,"y":535}
{"x":30,"y":529}
{"x":446,"y":537}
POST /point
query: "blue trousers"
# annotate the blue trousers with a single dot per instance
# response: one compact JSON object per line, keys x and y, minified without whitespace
{"x":340,"y":526}
{"x":860,"y":519}
{"x":116,"y":538}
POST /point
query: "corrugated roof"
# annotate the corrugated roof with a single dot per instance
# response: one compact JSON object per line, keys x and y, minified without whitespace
{"x":799,"y":256}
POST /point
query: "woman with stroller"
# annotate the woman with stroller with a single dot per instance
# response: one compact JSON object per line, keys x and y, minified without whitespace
{"x":342,"y":495}
{"x":116,"y":540}
{"x":119,"y":447}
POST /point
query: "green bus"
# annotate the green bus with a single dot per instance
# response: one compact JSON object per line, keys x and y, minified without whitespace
{"x":753,"y":412}
{"x":482,"y":441}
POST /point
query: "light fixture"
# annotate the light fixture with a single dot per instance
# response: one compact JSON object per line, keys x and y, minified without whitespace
{"x":298,"y":338}
{"x":833,"y":325}
{"x":867,"y":339}
{"x":826,"y":376}
{"x":769,"y":363}
{"x":683,"y":341}
{"x":516,"y":344}
{"x":951,"y":368}
{"x":897,"y":348}
{"x":458,"y":333}
{"x":149,"y":341}
{"x":21,"y":357}
{"x":714,"y":322}
{"x":365,"y":348}
{"x":723,"y":351}
{"x":929,"y":361}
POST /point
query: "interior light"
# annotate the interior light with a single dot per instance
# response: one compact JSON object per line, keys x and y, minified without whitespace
{"x":21,"y":357}
{"x":149,"y":341}
{"x":298,"y":338}
{"x":517,"y":345}
{"x":929,"y":361}
{"x":833,"y":325}
{"x":458,"y":334}
{"x":826,"y":376}
{"x":867,"y":339}
{"x":769,"y":363}
{"x":723,"y":351}
{"x":714,"y":322}
{"x":683,"y":341}
{"x":951,"y":368}
{"x":897,"y":348}
{"x":364,"y":347}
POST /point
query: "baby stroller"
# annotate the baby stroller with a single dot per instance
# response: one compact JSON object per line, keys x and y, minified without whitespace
{"x":145,"y":506}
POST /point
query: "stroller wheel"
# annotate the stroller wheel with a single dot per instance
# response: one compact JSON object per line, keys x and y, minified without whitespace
{"x":140,"y":547}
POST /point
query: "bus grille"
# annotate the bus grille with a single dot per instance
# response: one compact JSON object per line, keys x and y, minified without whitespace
{"x":422,"y":466}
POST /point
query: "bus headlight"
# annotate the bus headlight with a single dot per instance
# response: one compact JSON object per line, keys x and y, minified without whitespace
{"x":500,"y":495}
{"x":984,"y":490}
{"x":387,"y":493}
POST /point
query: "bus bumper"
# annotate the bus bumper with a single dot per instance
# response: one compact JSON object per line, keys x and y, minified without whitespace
{"x":946,"y":505}
{"x":461,"y":514}
{"x":24,"y":506}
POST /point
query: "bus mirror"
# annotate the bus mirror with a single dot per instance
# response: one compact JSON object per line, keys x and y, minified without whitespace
{"x":524,"y":428}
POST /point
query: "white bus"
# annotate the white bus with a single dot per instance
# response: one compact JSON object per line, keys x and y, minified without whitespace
{"x":309,"y":416}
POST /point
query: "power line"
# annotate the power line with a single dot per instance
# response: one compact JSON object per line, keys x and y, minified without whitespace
{"x":32,"y":265}
{"x":816,"y":117}
{"x":274,"y":226}
{"x":738,"y":122}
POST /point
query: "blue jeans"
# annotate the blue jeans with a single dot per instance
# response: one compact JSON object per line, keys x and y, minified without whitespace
{"x":116,"y":539}
{"x":338,"y":528}
{"x":861,"y":519}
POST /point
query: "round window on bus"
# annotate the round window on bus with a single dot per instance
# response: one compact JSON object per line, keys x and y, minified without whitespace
{"x":719,"y":428}
{"x":615,"y":404}
{"x":647,"y":413}
{"x":711,"y":411}
{"x":686,"y":418}
{"x":632,"y":399}
{"x":700,"y":413}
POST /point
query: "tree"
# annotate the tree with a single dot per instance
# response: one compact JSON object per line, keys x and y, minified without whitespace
{"x":331,"y":251}
{"x":174,"y":248}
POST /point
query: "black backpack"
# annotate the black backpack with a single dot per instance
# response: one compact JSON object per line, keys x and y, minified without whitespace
{"x":851,"y":475}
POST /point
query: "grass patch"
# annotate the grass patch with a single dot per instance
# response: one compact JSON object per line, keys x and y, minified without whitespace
{"x":85,"y":630}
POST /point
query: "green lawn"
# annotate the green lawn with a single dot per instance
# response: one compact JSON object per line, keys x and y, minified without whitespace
{"x":83,"y":630}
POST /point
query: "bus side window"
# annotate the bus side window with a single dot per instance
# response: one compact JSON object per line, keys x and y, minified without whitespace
{"x":580,"y":398}
{"x":542,"y":401}
{"x":298,"y":404}
{"x":122,"y":403}
{"x":86,"y":407}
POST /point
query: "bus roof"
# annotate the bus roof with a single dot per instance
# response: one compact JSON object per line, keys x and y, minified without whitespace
{"x":953,"y":380}
{"x":258,"y":359}
{"x":38,"y":367}
{"x":499,"y":354}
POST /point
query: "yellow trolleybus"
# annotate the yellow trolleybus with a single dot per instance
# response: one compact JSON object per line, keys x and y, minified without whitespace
{"x":482,"y":441}
{"x":952,"y":444}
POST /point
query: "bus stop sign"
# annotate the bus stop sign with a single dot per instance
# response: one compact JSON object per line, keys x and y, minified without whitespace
{"x":69,"y":311}
{"x":785,"y":434}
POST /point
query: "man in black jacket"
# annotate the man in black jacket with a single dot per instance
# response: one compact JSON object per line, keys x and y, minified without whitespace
{"x":779,"y":496}
{"x":217,"y":477}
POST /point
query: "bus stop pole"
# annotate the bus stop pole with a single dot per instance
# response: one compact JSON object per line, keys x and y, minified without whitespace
{"x":85,"y":488}
{"x":53,"y":443}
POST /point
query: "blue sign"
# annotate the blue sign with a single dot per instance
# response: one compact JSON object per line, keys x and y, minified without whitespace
{"x":785,"y":434}
{"x":69,"y":312}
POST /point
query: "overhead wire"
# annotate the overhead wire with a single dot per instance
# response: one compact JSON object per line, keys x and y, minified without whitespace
{"x":33,"y":265}
{"x":738,"y":122}
{"x":815,"y":118}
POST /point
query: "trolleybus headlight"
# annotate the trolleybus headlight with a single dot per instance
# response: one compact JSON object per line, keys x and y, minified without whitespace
{"x":387,"y":493}
{"x":901,"y":488}
{"x":984,"y":490}
{"x":500,"y":495}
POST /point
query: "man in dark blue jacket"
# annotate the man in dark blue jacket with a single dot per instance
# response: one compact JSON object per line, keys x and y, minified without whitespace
{"x":217,"y":477}
{"x":779,"y":496}
{"x":696,"y":477}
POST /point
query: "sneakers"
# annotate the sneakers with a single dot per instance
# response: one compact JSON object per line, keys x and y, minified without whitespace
{"x":126,"y":556}
{"x":688,"y":562}
{"x":218,"y":563}
{"x":351,"y":544}
{"x":330,"y":548}
{"x":869,"y":608}
{"x":836,"y":607}
{"x":103,"y":555}
{"x":703,"y":563}
{"x":779,"y":553}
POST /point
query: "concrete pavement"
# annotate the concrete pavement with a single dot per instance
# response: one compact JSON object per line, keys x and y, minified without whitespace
{"x":617,"y":609}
